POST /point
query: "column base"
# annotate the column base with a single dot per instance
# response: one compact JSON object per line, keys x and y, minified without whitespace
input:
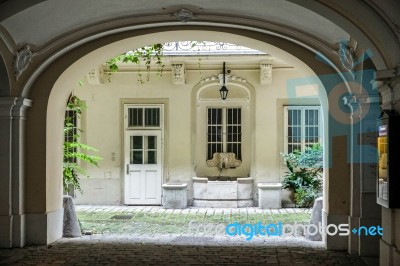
{"x":6,"y":231}
{"x":12,"y":233}
{"x":43,"y":229}
{"x":335,"y":242}
{"x":389,"y":255}
{"x":354,"y":244}
{"x":369,"y":245}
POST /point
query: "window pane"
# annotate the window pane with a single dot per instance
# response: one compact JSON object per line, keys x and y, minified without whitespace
{"x":136,"y":142}
{"x":152,"y":157}
{"x":214,"y":116}
{"x":296,"y":117}
{"x":311,"y":117}
{"x":71,"y":135}
{"x":152,"y":117}
{"x":214,"y":131}
{"x":136,"y":157}
{"x":209,"y":152}
{"x":152,"y":142}
{"x":232,"y":129}
{"x":135,"y":117}
{"x":233,"y":116}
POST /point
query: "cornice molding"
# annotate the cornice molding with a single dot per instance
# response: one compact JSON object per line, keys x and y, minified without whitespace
{"x":46,"y":53}
{"x":121,"y":24}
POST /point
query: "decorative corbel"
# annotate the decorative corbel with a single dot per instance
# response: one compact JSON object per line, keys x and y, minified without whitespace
{"x":97,"y":76}
{"x":184,"y":15}
{"x":22,"y":59}
{"x":345,"y":51}
{"x":265,"y":74}
{"x":178,"y":73}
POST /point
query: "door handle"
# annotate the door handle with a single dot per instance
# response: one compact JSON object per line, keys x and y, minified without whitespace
{"x":127,"y":169}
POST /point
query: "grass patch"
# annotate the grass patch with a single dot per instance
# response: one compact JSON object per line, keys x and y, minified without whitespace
{"x":174,"y":223}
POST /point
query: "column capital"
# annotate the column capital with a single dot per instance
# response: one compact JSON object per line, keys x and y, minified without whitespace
{"x":359,"y":102}
{"x":352,"y":102}
{"x":389,"y":91}
{"x":14,"y":106}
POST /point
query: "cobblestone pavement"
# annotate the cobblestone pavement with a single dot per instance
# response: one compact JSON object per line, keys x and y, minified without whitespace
{"x":177,"y":249}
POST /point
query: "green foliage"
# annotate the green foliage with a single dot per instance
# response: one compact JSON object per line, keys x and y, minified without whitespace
{"x":304,"y":175}
{"x":305,"y":196}
{"x":74,"y":150}
{"x":146,"y":55}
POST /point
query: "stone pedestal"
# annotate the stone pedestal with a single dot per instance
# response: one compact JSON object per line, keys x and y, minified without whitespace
{"x":175,"y":196}
{"x":269,"y":195}
{"x":71,"y":226}
{"x":316,"y":219}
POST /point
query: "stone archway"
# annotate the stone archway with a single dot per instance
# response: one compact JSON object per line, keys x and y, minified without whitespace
{"x":43,"y":188}
{"x":49,"y":92}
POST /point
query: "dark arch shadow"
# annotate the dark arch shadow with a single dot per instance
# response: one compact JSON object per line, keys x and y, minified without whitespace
{"x":4,"y":80}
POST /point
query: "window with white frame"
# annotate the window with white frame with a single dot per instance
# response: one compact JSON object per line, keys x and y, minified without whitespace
{"x":71,"y":119}
{"x":302,"y":127}
{"x":144,"y":117}
{"x":224,"y":131}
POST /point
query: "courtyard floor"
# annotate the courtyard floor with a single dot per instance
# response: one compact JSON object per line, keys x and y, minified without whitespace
{"x":150,"y":220}
{"x":131,"y":235}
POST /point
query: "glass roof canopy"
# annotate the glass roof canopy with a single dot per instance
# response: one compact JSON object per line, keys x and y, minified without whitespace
{"x":207,"y":48}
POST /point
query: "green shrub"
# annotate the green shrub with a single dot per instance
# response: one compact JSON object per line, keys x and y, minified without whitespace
{"x":304,"y":177}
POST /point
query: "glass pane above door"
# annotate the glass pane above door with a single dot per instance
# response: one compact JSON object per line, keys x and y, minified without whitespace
{"x":144,"y":117}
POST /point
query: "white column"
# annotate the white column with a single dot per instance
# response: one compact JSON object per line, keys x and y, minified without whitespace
{"x":354,"y":218}
{"x":12,"y":219}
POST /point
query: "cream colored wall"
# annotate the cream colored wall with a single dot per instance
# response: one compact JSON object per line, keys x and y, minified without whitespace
{"x":103,"y":120}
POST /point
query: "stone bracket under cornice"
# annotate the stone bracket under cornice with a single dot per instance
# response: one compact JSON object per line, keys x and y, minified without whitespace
{"x":386,"y":74}
{"x":178,"y":73}
{"x":97,"y":76}
{"x":265,"y":73}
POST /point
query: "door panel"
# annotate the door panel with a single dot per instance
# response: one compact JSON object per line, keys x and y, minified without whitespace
{"x":135,"y":184}
{"x":151,"y":184}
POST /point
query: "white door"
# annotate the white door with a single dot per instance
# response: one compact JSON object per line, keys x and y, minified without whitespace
{"x":143,"y":167}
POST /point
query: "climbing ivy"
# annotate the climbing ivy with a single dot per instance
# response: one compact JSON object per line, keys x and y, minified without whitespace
{"x":74,"y":149}
{"x":146,"y":55}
